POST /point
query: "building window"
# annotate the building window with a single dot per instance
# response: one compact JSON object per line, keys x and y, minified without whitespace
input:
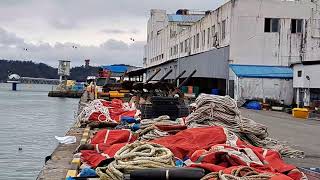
{"x":213,"y":29}
{"x":194,"y":42}
{"x":214,"y":35}
{"x":203,"y":38}
{"x":172,"y":33}
{"x":186,"y":45}
{"x":197,"y":41}
{"x":296,"y":25}
{"x":272,"y":25}
{"x":181,"y":47}
{"x":171,"y":52}
{"x":299,"y":73}
{"x":209,"y":33}
{"x":223,"y":29}
{"x":177,"y":49}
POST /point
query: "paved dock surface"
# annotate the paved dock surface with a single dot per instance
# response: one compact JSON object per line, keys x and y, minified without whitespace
{"x":300,"y":134}
{"x":60,"y":163}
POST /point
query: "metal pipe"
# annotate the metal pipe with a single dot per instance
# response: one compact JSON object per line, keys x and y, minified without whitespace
{"x":180,"y":75}
{"x":187,"y":79}
{"x":166,"y":75}
{"x":150,"y":78}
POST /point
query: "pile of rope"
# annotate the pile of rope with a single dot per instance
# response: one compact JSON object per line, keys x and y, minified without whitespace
{"x":138,"y":155}
{"x":242,"y":173}
{"x":212,"y":110}
{"x":149,"y":131}
{"x":94,"y":106}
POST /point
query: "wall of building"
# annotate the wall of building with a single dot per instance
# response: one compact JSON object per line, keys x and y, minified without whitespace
{"x":197,"y":36}
{"x":204,"y":35}
{"x":260,"y":88}
{"x":244,"y":31}
{"x":313,"y":71}
{"x":155,"y":36}
{"x":244,"y":34}
{"x":164,"y":69}
{"x":209,"y":64}
{"x":250,"y":44}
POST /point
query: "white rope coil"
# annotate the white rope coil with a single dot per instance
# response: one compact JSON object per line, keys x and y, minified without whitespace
{"x":138,"y":155}
{"x":243,"y":173}
{"x":95,"y":106}
{"x":149,"y":131}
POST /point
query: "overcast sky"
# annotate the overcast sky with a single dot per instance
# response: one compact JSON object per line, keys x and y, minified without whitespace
{"x":100,"y":29}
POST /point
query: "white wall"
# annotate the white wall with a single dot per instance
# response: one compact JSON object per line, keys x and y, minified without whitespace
{"x":245,"y":35}
{"x":313,"y":71}
{"x":251,"y":45}
{"x":161,"y":43}
{"x":155,"y":35}
{"x":253,"y":88}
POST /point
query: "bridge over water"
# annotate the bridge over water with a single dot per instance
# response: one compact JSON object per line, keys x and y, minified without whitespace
{"x":16,"y":79}
{"x":31,"y":80}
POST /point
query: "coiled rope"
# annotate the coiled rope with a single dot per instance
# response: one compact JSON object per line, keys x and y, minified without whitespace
{"x":149,"y":131}
{"x":212,"y":110}
{"x":138,"y":155}
{"x":94,"y":106}
{"x":243,"y":173}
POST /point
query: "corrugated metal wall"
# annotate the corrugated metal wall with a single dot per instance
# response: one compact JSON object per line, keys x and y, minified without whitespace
{"x":210,"y":64}
{"x":277,"y":89}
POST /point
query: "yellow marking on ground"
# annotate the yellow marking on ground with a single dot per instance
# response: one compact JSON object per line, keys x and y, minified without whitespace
{"x":83,"y":141}
{"x":86,"y":130}
{"x":72,"y":173}
{"x":76,"y":161}
{"x":86,"y":134}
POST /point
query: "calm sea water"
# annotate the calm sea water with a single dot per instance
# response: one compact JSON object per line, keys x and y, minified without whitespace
{"x":30,"y":119}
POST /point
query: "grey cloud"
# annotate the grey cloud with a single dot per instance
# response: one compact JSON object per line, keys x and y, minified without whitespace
{"x":134,"y":31}
{"x":120,"y":31}
{"x":82,"y":16}
{"x":109,"y":52}
{"x":114,"y":45}
{"x":9,"y":39}
{"x":63,"y":23}
{"x":114,"y":31}
{"x":66,"y":14}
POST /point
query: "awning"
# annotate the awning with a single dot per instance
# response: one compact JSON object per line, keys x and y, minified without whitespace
{"x":137,"y":72}
{"x":256,"y":71}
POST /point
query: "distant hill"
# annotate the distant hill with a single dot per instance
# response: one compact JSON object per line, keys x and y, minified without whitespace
{"x":41,"y":70}
{"x":81,"y":73}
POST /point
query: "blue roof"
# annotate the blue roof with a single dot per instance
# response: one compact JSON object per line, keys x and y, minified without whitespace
{"x":255,"y":71}
{"x":116,"y":68}
{"x":184,"y":18}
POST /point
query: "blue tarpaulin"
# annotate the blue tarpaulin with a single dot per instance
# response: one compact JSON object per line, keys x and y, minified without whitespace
{"x":116,"y":68}
{"x":256,"y":71}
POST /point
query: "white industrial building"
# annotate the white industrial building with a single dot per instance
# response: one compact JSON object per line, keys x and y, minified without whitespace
{"x":271,"y":35}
